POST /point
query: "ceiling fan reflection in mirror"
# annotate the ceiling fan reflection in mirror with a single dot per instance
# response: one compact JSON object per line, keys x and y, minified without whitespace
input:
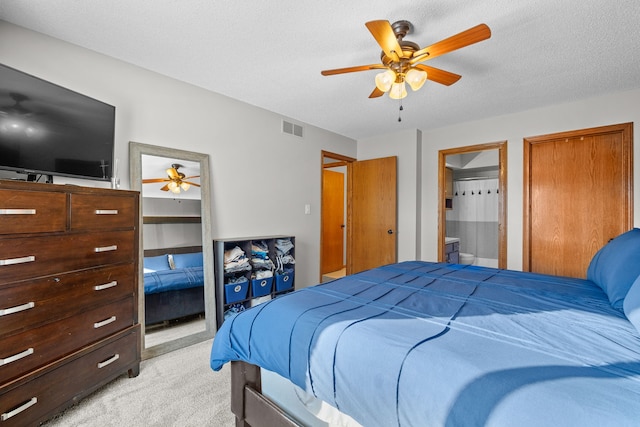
{"x":175,"y":180}
{"x":401,"y":60}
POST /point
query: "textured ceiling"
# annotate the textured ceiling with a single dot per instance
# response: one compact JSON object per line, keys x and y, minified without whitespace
{"x":270,"y":53}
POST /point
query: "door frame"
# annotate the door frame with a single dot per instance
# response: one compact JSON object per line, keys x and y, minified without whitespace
{"x":330,"y":160}
{"x":501,"y":146}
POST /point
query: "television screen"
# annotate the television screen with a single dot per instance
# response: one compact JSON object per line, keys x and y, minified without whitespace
{"x":51,"y":130}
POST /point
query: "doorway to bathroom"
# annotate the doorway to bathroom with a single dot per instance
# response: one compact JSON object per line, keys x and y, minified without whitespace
{"x":472,"y":204}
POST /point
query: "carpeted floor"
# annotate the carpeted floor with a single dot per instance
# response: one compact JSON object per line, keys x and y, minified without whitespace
{"x":175,"y":389}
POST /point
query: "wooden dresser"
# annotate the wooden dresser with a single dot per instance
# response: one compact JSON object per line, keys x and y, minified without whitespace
{"x":68,"y":295}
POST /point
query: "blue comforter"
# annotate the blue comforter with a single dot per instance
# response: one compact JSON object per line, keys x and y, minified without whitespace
{"x":428,"y":344}
{"x":171,"y":280}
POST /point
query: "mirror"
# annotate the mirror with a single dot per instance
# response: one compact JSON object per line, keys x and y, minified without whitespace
{"x":177,"y":303}
{"x":472,"y":220}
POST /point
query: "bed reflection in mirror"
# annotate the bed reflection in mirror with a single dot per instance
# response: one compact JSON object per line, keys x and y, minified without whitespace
{"x":175,"y":265}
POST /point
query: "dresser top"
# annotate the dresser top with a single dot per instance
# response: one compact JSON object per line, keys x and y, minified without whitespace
{"x":59,"y":188}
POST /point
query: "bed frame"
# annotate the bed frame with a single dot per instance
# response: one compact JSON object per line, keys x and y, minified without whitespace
{"x":250,"y":407}
{"x":162,"y":306}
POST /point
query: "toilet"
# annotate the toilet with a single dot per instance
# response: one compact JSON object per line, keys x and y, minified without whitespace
{"x":465,"y":258}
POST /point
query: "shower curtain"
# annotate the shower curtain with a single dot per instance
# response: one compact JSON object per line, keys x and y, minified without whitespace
{"x":474,"y":219}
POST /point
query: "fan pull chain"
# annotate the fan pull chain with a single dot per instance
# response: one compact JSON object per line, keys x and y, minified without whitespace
{"x":400,"y":111}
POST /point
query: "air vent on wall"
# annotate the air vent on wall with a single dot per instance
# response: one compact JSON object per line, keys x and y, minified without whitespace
{"x":291,"y":128}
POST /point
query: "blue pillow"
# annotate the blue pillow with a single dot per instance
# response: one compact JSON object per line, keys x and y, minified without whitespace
{"x":616,"y":266}
{"x":156,"y":263}
{"x":187,"y":260}
{"x":632,"y":304}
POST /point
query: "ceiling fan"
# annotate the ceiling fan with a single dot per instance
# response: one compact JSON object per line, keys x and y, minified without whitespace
{"x":402,"y":59}
{"x":16,"y":108}
{"x":175,"y":180}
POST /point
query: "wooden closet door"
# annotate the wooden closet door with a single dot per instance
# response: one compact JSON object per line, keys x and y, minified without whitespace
{"x":578,"y":196}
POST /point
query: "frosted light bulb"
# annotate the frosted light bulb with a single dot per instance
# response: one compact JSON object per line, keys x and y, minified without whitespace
{"x":398,"y":91}
{"x":416,"y":78}
{"x":385,"y":79}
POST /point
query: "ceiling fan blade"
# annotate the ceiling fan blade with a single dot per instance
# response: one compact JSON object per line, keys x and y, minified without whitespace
{"x":376,"y":93}
{"x":165,"y":188}
{"x":439,"y":76}
{"x":152,"y":180}
{"x":192,"y":183}
{"x":472,"y":35}
{"x":352,"y":69}
{"x":173,"y":173}
{"x":386,"y":38}
{"x":191,"y":177}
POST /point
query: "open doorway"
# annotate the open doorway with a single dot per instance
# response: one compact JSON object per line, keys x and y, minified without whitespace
{"x":472,"y":205}
{"x":368,"y":228}
{"x":333,"y":239}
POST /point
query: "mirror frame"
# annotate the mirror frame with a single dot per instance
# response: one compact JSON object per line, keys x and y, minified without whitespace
{"x":136,"y":150}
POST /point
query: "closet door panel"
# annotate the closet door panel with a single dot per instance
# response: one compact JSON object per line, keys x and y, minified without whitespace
{"x":578,"y":195}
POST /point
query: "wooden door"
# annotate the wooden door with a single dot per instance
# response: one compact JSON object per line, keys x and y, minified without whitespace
{"x":578,"y":195}
{"x":332,"y":221}
{"x":372,"y":214}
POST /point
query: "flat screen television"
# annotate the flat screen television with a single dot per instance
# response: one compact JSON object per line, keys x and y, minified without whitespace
{"x":50,"y":130}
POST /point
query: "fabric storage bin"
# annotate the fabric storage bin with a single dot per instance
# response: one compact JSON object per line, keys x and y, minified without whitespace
{"x":261,"y":287}
{"x":234,"y":292}
{"x":284,"y":281}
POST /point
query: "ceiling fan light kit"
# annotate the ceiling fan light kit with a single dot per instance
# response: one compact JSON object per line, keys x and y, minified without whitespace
{"x":402,"y":60}
{"x":175,"y":187}
{"x":389,"y":81}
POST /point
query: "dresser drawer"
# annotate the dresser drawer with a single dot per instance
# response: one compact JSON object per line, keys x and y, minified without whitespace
{"x":100,"y":212}
{"x":28,"y":304}
{"x":28,"y":350}
{"x":37,"y":399}
{"x":42,"y":256}
{"x":32,"y":211}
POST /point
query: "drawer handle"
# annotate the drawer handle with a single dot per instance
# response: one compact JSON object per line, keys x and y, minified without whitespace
{"x":17,"y":308}
{"x":104,"y":322}
{"x":25,"y":406}
{"x":106,"y":248}
{"x":105,"y":286}
{"x":17,"y":211}
{"x":108,"y":361}
{"x":106,"y":211}
{"x":15,"y":357}
{"x":21,"y":260}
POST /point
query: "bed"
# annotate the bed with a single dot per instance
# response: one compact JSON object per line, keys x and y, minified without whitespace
{"x":173,"y":283}
{"x":433,"y":344}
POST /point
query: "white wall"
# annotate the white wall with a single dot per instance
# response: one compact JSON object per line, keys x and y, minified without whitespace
{"x":611,"y":109}
{"x":261,"y":178}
